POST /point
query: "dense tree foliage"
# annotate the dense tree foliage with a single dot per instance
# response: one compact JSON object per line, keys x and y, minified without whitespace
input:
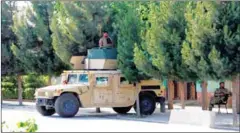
{"x":9,"y":63}
{"x":31,"y":27}
{"x":127,"y":25}
{"x":162,"y":42}
{"x":199,"y":40}
{"x":228,"y":38}
{"x":142,"y":58}
{"x":211,"y":48}
{"x":76,"y":27}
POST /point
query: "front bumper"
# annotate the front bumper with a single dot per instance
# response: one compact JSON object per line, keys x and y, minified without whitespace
{"x":45,"y":102}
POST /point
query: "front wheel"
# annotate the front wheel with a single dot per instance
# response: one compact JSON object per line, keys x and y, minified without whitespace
{"x":45,"y":112}
{"x":67,"y":105}
{"x":122,"y":110}
{"x":147,"y":104}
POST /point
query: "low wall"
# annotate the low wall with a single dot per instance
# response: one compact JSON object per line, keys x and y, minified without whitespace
{"x":200,"y":118}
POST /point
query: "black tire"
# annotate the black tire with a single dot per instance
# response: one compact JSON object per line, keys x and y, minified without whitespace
{"x":147,"y":104}
{"x":122,"y":110}
{"x":67,"y":105}
{"x":45,"y":112}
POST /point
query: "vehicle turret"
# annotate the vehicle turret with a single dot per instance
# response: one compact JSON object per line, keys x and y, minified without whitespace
{"x":96,"y":59}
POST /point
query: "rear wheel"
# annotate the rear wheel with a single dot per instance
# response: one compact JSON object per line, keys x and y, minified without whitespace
{"x":45,"y":112}
{"x":147,"y":104}
{"x":67,"y":105}
{"x":122,"y":110}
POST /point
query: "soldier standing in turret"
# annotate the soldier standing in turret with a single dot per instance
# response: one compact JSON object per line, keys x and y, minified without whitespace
{"x":105,"y":41}
{"x":219,"y":95}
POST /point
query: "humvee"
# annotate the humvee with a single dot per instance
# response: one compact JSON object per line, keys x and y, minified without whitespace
{"x":98,"y":88}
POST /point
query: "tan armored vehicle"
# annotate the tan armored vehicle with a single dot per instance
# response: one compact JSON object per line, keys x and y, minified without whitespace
{"x":97,"y":88}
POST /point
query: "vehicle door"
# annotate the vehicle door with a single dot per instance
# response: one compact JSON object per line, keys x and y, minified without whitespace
{"x":102,"y":90}
{"x":124,"y":94}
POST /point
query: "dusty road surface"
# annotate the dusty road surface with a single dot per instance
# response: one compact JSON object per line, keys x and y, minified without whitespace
{"x":87,"y":120}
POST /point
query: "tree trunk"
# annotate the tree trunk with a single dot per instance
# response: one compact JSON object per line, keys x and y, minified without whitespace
{"x":238,"y":95}
{"x":138,"y":107}
{"x":20,"y":91}
{"x":192,"y":91}
{"x":238,"y":100}
{"x":49,"y":80}
{"x":234,"y":99}
{"x":185,"y":90}
{"x":204,"y":96}
{"x":170,"y":94}
{"x":181,"y":86}
{"x":178,"y":89}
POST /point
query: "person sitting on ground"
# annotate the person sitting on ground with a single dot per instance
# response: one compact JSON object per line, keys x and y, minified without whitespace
{"x":105,"y":41}
{"x":219,"y":96}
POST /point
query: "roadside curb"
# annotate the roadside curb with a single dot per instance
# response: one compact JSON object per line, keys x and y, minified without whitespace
{"x":140,"y":119}
{"x":226,"y":127}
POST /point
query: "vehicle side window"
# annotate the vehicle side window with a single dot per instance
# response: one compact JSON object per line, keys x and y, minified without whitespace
{"x":124,"y":81}
{"x":72,"y":78}
{"x":83,"y":78}
{"x":101,"y":80}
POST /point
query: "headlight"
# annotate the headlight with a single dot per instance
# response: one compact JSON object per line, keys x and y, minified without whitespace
{"x":46,"y":93}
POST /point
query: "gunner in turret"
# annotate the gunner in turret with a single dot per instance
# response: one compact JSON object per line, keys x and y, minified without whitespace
{"x":105,"y":41}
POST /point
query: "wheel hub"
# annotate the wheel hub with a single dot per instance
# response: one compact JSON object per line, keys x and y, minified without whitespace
{"x":146,"y":105}
{"x":69,"y":106}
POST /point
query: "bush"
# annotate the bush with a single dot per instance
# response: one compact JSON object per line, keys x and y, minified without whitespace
{"x":26,"y":126}
{"x":9,"y":93}
{"x":33,"y":81}
{"x":29,"y":93}
{"x":29,"y":83}
{"x":9,"y":87}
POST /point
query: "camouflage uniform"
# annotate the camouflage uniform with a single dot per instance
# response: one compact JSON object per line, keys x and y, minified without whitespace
{"x":218,"y":97}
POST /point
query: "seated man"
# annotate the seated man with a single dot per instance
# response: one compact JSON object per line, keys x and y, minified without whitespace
{"x":220,"y":96}
{"x":105,"y":41}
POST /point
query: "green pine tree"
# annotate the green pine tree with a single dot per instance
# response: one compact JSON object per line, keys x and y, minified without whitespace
{"x":127,"y":25}
{"x":142,"y":58}
{"x":34,"y":38}
{"x":162,"y":41}
{"x":9,"y":64}
{"x":227,"y":40}
{"x":76,"y":27}
{"x":199,"y":51}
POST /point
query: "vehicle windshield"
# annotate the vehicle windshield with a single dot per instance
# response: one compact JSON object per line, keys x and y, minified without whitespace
{"x":83,"y":78}
{"x":72,"y":78}
{"x":77,"y":78}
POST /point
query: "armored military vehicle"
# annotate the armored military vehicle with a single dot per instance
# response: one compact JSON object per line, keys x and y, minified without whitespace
{"x":95,"y":81}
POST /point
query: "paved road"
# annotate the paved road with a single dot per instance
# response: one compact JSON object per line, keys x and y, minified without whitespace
{"x":87,"y":120}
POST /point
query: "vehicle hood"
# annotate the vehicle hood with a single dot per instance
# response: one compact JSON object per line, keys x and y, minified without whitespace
{"x":62,"y":86}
